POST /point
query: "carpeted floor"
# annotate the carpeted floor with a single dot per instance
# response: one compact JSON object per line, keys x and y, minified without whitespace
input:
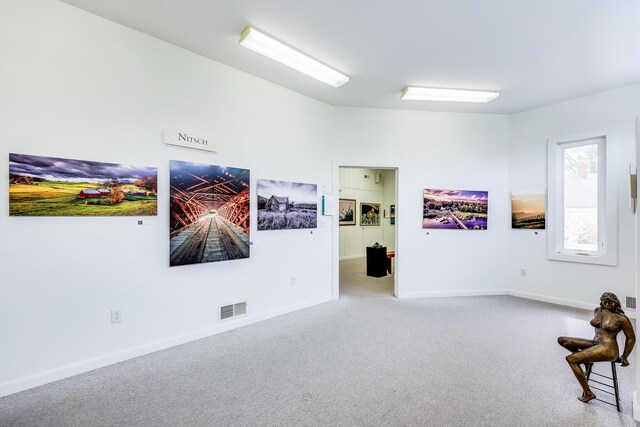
{"x":355,"y":282}
{"x":365,"y":360}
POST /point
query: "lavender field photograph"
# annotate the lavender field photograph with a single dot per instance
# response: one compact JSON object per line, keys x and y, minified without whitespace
{"x":287,"y":205}
{"x":455,"y":209}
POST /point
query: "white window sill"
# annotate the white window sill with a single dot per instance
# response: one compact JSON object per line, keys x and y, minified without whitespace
{"x":584,"y":258}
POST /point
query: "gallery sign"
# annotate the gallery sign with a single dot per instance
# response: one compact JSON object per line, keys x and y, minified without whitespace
{"x":188,"y":139}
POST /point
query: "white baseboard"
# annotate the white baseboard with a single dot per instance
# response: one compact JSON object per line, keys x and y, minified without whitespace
{"x":87,"y":365}
{"x":635,"y":412}
{"x":552,"y":300}
{"x":342,"y":258}
{"x":520,"y":294}
{"x":441,"y":294}
{"x":563,"y":301}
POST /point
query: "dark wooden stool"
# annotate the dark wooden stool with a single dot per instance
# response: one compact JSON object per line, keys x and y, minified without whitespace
{"x":614,"y":383}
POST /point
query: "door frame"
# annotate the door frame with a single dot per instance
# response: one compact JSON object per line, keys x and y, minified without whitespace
{"x":335,"y":251}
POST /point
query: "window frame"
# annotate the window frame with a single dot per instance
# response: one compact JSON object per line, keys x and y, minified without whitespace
{"x":607,"y":253}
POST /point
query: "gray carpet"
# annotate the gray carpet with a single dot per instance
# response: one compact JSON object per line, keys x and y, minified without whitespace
{"x":360,"y":361}
{"x":355,"y":282}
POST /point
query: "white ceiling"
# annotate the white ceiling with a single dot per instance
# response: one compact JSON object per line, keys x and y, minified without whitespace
{"x":534,"y":52}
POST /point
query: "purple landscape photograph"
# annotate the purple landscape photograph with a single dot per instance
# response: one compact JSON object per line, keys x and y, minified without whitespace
{"x":455,"y":209}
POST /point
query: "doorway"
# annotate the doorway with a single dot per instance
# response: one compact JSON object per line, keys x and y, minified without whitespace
{"x":366,"y":252}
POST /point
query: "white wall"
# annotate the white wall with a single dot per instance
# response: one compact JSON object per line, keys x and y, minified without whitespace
{"x":353,"y":185}
{"x":388,"y":199}
{"x":76,"y":86}
{"x":435,"y":150}
{"x":570,"y":283}
{"x":636,"y":408}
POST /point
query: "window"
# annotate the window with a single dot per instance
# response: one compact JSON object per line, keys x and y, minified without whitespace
{"x":582,"y":204}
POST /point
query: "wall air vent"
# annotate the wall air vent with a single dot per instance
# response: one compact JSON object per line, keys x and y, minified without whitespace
{"x":631,"y":302}
{"x":233,"y":310}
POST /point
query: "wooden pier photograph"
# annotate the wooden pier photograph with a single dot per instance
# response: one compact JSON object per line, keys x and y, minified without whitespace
{"x":209,"y":213}
{"x":455,"y":209}
{"x":52,"y":186}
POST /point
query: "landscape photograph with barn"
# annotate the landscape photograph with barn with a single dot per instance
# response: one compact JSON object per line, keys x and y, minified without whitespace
{"x":287,"y":205}
{"x":51,"y":186}
{"x":209,"y":213}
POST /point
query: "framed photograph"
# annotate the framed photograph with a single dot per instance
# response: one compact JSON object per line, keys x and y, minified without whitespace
{"x":53,"y":186}
{"x":287,"y":205}
{"x":369,"y":214}
{"x":455,"y":209}
{"x":347,"y":215}
{"x":528,"y":209}
{"x":393,"y":214}
{"x":209,"y":213}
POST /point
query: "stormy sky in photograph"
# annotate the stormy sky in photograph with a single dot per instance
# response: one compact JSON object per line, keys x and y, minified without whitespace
{"x":57,"y":169}
{"x":296,"y":191}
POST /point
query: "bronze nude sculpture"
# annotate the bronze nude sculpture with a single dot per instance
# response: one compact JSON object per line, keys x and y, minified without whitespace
{"x":608,"y":320}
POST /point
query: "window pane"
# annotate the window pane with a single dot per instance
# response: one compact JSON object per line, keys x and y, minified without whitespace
{"x":581,"y":198}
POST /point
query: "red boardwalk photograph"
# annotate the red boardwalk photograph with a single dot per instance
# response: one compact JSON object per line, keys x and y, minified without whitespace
{"x":209,"y":213}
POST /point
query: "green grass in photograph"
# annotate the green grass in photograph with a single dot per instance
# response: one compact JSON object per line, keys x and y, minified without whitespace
{"x":52,"y":198}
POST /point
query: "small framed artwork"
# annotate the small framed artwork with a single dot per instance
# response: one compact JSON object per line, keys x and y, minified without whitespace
{"x":392,"y":213}
{"x":369,"y":214}
{"x":347,"y":214}
{"x":528,"y":209}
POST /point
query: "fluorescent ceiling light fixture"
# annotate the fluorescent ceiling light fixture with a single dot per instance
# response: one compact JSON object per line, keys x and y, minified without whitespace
{"x":455,"y":95}
{"x":265,"y":45}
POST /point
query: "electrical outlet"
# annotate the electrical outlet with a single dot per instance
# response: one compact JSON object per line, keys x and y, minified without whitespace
{"x":116,"y":316}
{"x":293,"y":281}
{"x":523,"y":272}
